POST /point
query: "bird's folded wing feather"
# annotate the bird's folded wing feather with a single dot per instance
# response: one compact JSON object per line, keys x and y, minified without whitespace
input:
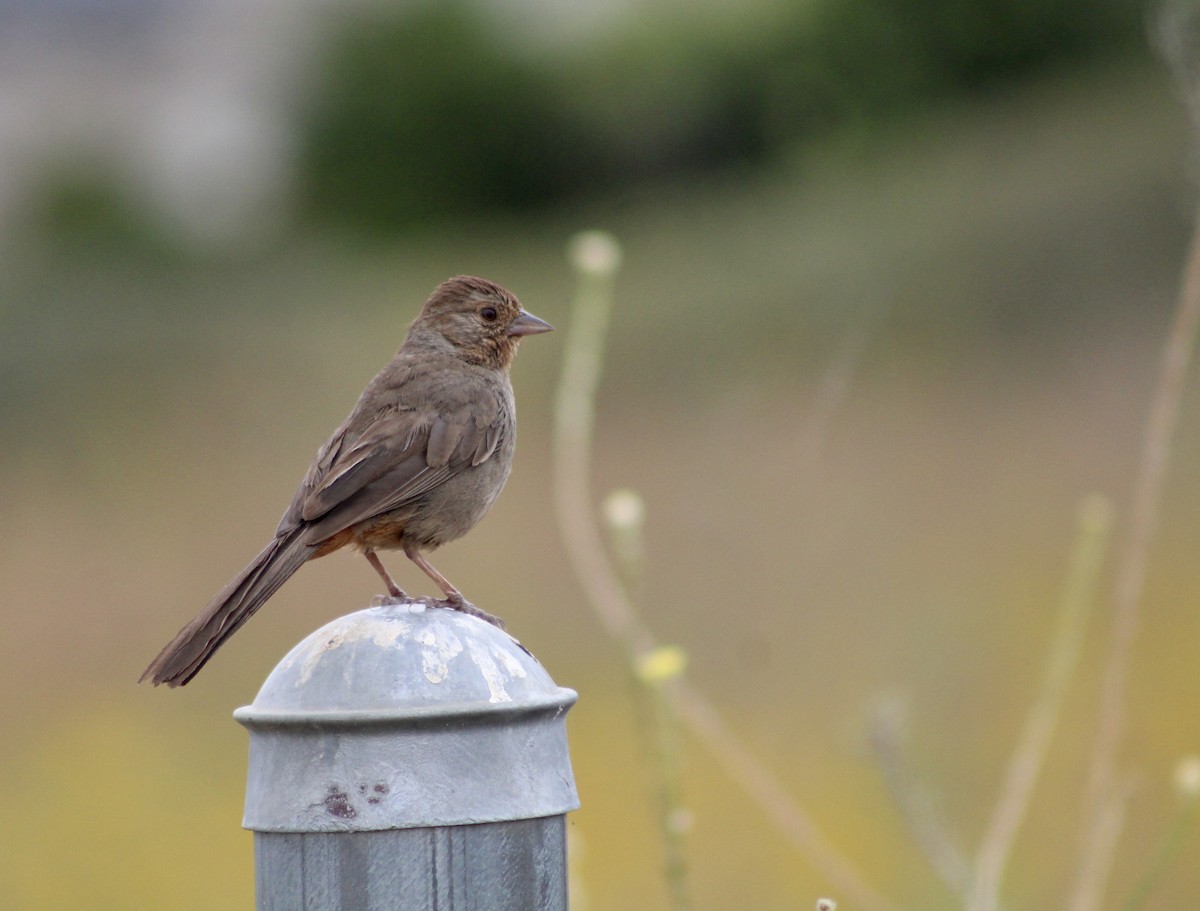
{"x":399,"y":457}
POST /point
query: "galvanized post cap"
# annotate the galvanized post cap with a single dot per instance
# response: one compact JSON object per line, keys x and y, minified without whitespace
{"x":400,"y":717}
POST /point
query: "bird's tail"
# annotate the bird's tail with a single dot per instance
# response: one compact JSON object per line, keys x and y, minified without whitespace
{"x":184,"y":655}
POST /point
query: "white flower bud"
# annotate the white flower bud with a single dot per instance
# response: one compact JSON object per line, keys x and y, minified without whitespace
{"x":595,"y":253}
{"x":624,"y":510}
{"x":1187,"y":777}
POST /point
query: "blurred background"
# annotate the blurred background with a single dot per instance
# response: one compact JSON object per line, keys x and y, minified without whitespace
{"x":896,"y":276}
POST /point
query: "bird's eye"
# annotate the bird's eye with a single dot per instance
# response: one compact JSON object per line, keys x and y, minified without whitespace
{"x":488,"y":314}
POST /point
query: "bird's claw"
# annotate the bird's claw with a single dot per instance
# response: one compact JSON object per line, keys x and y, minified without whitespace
{"x":390,"y":600}
{"x":462,"y":605}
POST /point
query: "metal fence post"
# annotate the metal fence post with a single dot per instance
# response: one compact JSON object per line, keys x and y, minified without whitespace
{"x":409,"y":760}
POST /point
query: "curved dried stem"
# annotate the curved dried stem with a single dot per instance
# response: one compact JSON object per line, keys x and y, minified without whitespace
{"x":706,"y":725}
{"x":927,"y":826}
{"x":574,"y":418}
{"x":573,"y":435}
{"x":1179,"y":39}
{"x":1095,"y":522}
{"x":1131,"y":578}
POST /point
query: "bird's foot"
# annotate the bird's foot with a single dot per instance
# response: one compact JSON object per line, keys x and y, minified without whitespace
{"x":462,"y":605}
{"x":390,"y":600}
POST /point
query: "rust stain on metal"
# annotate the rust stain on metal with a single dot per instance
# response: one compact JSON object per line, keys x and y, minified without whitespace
{"x":337,"y":803}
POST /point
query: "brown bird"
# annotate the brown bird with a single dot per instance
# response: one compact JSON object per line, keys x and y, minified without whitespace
{"x":418,"y":462}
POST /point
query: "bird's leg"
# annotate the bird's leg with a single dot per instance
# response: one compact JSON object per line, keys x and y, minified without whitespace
{"x":453,"y":595}
{"x":454,"y":598}
{"x":396,"y":594}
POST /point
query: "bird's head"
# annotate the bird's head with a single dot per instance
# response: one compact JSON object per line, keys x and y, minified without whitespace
{"x":481,"y":320}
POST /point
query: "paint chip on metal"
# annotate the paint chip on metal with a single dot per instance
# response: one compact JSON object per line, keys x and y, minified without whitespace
{"x":439,"y":646}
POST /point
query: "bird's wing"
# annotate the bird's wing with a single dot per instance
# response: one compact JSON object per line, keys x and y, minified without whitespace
{"x":399,"y":457}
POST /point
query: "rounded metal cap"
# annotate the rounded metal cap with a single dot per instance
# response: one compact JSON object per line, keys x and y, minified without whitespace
{"x":399,"y":717}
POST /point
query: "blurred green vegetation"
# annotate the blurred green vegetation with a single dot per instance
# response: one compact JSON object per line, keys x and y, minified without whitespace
{"x":79,"y":208}
{"x":433,"y":112}
{"x":861,"y":389}
{"x":423,"y":115}
{"x":413,"y":117}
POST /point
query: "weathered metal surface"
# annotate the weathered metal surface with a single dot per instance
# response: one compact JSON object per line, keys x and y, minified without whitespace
{"x":396,"y":717}
{"x":510,"y":866}
{"x":409,"y":759}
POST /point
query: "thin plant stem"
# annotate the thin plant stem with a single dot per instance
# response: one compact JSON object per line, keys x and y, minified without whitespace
{"x":659,"y":724}
{"x":834,"y":386}
{"x":929,"y":830}
{"x":1095,"y":523}
{"x":674,"y":817}
{"x":1176,"y":38}
{"x":1108,"y":821}
{"x":624,"y":514}
{"x":574,"y":422}
{"x":1131,"y":577}
{"x":1168,"y":851}
{"x":573,"y":434}
{"x":574,"y":419}
{"x":706,"y":725}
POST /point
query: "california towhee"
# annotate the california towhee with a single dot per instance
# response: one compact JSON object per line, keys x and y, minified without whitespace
{"x":418,"y":462}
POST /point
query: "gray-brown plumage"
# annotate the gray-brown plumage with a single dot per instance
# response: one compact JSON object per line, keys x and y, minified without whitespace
{"x":418,"y":462}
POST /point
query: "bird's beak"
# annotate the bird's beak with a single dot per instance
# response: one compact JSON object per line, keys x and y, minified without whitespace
{"x":528,"y":324}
